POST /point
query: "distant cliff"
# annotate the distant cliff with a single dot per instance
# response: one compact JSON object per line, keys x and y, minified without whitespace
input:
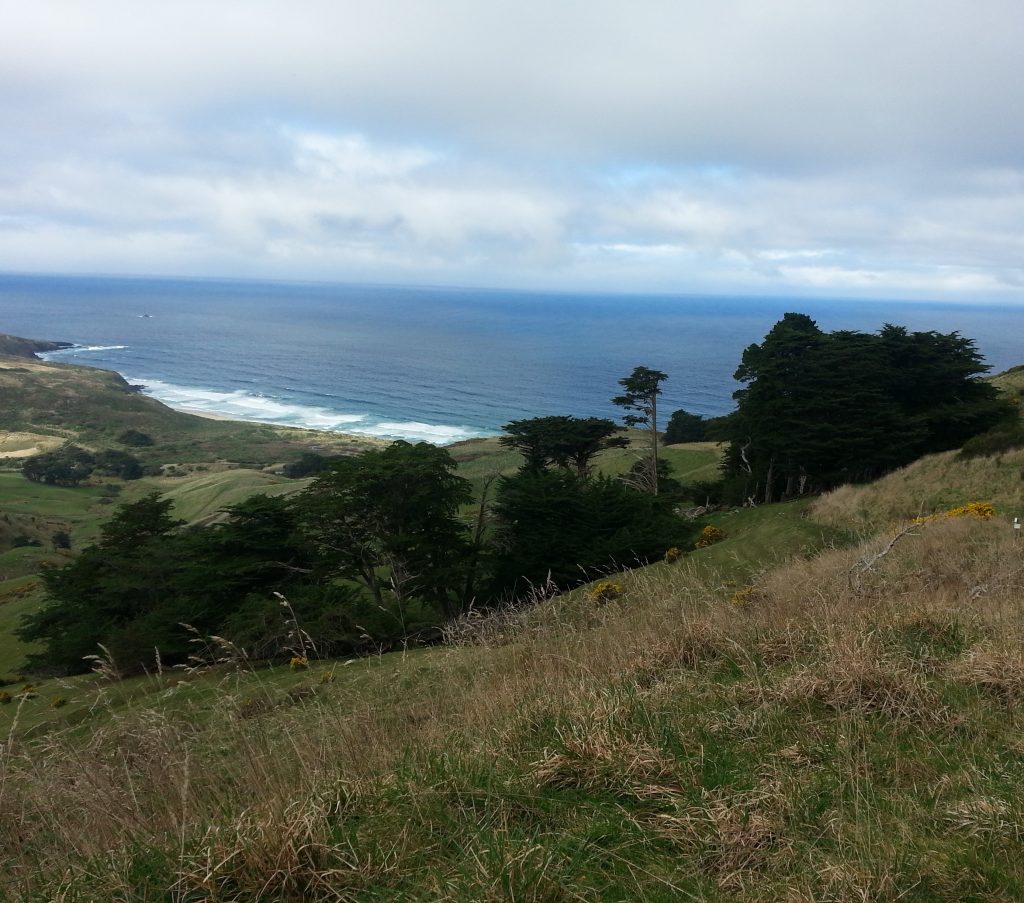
{"x":14,"y":346}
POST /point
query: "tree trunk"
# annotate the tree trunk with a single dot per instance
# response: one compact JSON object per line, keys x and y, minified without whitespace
{"x":478,"y":538}
{"x":654,"y":444}
{"x":768,"y":481}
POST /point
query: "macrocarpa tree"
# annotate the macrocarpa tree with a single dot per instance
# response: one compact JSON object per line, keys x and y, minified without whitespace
{"x":568,"y":442}
{"x":818,"y":409}
{"x":388,"y":520}
{"x":640,"y":398}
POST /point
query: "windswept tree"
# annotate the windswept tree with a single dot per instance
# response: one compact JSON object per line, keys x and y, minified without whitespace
{"x":389,"y":520}
{"x":817,"y":409}
{"x":146,"y":576}
{"x":568,"y":442}
{"x":640,"y":399}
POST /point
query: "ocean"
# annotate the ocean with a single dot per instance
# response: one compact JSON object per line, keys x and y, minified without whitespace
{"x":434,"y":364}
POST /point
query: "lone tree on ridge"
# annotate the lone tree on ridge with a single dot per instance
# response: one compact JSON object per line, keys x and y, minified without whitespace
{"x":640,"y":398}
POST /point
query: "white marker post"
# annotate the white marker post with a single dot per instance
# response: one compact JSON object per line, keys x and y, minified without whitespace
{"x":1016,"y":527}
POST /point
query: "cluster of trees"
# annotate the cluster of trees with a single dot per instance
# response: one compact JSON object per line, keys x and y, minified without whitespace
{"x":71,"y":465}
{"x":382,"y":548}
{"x":819,"y":409}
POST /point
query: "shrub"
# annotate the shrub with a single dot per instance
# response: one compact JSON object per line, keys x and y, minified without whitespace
{"x":704,"y":492}
{"x":5,"y":697}
{"x":119,"y":464}
{"x":606,"y":591}
{"x":135,"y":439}
{"x":709,"y":536}
{"x":673,"y":554}
{"x":298,"y":663}
{"x":309,"y":464}
{"x":980,"y":510}
{"x":67,"y":466}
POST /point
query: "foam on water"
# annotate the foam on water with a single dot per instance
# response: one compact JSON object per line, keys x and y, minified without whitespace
{"x":257,"y":408}
{"x":79,"y":349}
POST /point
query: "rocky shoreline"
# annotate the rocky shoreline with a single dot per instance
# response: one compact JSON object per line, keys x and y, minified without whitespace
{"x":15,"y":346}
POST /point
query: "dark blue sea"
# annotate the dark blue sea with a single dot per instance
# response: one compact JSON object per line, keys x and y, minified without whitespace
{"x":431,"y":363}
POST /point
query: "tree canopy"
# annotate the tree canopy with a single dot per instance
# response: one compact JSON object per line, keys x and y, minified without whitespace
{"x":817,"y":409}
{"x":388,"y":520}
{"x":684,"y":427}
{"x":640,"y":399}
{"x":377,"y":550}
{"x":567,"y":442}
{"x":555,"y":524}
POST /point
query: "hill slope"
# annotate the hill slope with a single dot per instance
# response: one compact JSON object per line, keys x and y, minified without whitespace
{"x":42,"y":400}
{"x":933,"y":483}
{"x":843,"y":726}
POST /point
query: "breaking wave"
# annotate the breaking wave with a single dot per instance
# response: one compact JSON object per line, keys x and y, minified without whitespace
{"x":257,"y":408}
{"x":79,"y":349}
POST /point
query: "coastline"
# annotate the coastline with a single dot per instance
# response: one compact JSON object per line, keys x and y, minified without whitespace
{"x":213,"y":415}
{"x":329,"y":437}
{"x":241,"y":407}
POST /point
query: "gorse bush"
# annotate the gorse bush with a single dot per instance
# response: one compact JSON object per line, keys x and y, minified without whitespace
{"x":606,"y":591}
{"x":709,"y":536}
{"x":979,"y":510}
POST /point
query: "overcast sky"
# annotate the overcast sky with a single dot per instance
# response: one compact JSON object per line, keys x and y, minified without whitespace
{"x":824,"y":147}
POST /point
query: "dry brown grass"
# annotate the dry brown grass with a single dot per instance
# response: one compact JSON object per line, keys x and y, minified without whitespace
{"x":282,"y":804}
{"x":934,"y":483}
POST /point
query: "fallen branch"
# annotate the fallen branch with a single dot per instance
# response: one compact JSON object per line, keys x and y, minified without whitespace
{"x":868,"y":562}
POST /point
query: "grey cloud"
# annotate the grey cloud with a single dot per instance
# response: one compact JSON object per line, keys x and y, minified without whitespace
{"x":733,"y":80}
{"x":736,"y":144}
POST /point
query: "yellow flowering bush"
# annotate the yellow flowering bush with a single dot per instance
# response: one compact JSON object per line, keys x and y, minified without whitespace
{"x":298,"y":663}
{"x":743,"y":597}
{"x":980,"y":510}
{"x":606,"y":591}
{"x":58,"y":702}
{"x":709,"y":536}
{"x":673,"y":554}
{"x":5,"y":697}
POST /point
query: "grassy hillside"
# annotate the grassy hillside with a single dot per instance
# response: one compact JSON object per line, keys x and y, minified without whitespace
{"x":201,"y":497}
{"x":934,"y":483}
{"x":42,"y":401}
{"x":483,"y":459}
{"x":805,"y":736}
{"x":817,"y":708}
{"x":1010,"y":381}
